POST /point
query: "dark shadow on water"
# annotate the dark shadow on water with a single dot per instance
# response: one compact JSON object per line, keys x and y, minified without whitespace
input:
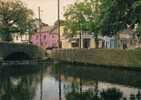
{"x":18,"y":56}
{"x":19,"y":82}
{"x":111,"y":75}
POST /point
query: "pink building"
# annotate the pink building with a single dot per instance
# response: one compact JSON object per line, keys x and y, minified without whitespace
{"x":45,"y":40}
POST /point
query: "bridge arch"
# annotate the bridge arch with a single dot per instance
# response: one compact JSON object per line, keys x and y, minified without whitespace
{"x":18,"y":56}
{"x":19,"y":51}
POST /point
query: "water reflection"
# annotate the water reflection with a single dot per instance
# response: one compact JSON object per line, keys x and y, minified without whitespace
{"x":19,"y":82}
{"x":110,"y":94}
{"x":41,"y":83}
{"x":68,"y":82}
{"x":88,"y":83}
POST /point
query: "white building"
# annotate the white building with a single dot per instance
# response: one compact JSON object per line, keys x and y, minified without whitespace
{"x":17,"y":38}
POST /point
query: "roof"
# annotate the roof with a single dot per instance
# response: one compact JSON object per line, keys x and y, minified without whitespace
{"x":127,"y":31}
{"x":53,"y":30}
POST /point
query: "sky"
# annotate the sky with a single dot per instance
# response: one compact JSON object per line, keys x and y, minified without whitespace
{"x":48,"y":9}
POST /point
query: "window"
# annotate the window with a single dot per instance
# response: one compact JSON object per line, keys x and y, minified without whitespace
{"x":17,"y":38}
{"x":52,"y":36}
{"x":75,"y":43}
{"x":86,"y":43}
{"x":44,"y":36}
{"x":41,"y":43}
{"x":37,"y":37}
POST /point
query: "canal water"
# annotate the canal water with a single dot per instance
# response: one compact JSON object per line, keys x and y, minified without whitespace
{"x":68,"y":82}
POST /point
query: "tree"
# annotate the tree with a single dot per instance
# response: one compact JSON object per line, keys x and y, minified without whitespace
{"x":61,"y":22}
{"x":80,"y":16}
{"x":116,"y":15}
{"x":14,"y":18}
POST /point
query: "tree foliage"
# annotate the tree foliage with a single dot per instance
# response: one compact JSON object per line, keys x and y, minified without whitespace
{"x":14,"y":18}
{"x":116,"y":15}
{"x":107,"y":17}
{"x":80,"y":16}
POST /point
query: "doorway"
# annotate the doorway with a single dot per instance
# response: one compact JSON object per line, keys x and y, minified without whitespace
{"x":86,"y":43}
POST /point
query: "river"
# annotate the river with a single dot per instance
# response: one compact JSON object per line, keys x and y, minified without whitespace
{"x":68,"y":82}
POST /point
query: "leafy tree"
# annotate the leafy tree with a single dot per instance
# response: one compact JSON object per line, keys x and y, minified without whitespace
{"x":61,"y":22}
{"x":80,"y":16}
{"x":116,"y":15}
{"x":14,"y":18}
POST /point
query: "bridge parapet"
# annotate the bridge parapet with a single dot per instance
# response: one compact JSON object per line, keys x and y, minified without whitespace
{"x":18,"y":51}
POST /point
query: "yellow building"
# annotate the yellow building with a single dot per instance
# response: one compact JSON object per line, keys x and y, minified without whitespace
{"x":87,"y":40}
{"x":65,"y":42}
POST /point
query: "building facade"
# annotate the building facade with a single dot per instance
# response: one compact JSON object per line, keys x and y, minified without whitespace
{"x":18,"y":38}
{"x":45,"y":40}
{"x":86,"y":38}
{"x":127,"y":39}
{"x":107,"y":42}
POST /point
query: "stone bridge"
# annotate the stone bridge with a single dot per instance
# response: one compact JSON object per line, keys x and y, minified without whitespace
{"x":18,"y":51}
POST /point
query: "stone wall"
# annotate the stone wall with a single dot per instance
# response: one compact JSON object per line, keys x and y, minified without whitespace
{"x":33,"y":51}
{"x":106,"y":57}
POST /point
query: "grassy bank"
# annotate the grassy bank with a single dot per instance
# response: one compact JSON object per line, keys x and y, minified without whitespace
{"x":106,"y":57}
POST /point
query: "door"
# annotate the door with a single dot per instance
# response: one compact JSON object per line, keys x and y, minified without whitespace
{"x":86,"y":43}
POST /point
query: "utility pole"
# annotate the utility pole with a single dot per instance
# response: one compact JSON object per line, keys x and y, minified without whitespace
{"x":39,"y":14}
{"x":80,"y":33}
{"x":59,"y":42}
{"x":41,"y":84}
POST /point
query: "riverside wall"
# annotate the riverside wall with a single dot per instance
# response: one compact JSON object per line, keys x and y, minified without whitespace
{"x":106,"y":57}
